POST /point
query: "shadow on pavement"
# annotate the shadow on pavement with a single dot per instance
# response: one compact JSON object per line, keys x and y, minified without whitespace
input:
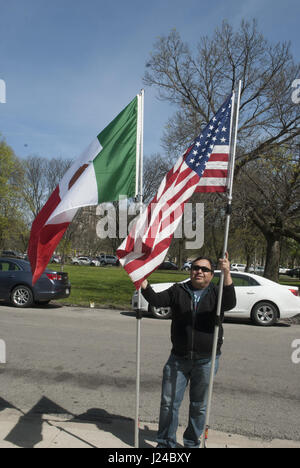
{"x":27,"y":433}
{"x":123,"y":431}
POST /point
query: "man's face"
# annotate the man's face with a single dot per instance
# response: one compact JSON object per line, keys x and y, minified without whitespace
{"x":199,"y":277}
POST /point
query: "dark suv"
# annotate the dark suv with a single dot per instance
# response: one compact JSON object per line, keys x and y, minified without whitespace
{"x":16,"y":284}
{"x":295,"y":272}
{"x":10,"y":253}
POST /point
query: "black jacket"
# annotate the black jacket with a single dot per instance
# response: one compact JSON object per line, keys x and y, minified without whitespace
{"x":192,"y":329}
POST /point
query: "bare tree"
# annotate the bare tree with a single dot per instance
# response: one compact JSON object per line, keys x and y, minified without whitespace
{"x":41,"y":178}
{"x":197,"y":83}
{"x":34,"y":184}
{"x":155,"y":169}
{"x":55,"y":170}
{"x":269,"y":192}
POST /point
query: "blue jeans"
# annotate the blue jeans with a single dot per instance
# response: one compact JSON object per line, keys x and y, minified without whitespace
{"x":178,"y":372}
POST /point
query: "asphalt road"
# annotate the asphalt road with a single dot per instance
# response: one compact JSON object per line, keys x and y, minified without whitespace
{"x":76,"y":361}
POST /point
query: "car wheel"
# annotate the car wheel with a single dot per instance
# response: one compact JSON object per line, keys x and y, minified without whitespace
{"x":22,"y":297}
{"x":162,"y":313}
{"x":264,"y":314}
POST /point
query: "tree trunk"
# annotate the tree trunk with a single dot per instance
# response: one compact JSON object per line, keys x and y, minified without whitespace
{"x":273,"y":257}
{"x":248,"y":262}
{"x":180,"y":253}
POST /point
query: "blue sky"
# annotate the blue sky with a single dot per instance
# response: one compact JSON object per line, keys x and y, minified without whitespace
{"x":70,"y":66}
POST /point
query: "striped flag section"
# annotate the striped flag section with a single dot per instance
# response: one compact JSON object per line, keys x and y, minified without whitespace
{"x":215,"y":176}
{"x":204,"y":168}
{"x":105,"y":170}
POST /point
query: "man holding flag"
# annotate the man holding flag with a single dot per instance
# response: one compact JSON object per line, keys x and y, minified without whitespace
{"x":207,"y":166}
{"x":194,"y":307}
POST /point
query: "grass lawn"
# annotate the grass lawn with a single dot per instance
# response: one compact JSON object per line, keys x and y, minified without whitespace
{"x":112,"y":287}
{"x":283,"y":279}
{"x":107,"y":286}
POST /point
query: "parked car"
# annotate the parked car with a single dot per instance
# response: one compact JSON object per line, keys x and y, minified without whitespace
{"x":55,"y":259}
{"x":283,"y":270}
{"x":294,"y":273}
{"x":108,"y":260}
{"x":237,"y":267}
{"x":81,"y":261}
{"x":261,"y":300}
{"x":87,"y":261}
{"x":168,"y":266}
{"x":10,"y":253}
{"x":258,"y":270}
{"x":16,"y":284}
{"x":186,"y":266}
{"x":94,"y":262}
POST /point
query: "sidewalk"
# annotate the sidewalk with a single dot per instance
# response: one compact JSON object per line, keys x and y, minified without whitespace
{"x":47,"y":431}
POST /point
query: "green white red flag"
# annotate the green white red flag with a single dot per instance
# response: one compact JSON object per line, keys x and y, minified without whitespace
{"x":104,"y":171}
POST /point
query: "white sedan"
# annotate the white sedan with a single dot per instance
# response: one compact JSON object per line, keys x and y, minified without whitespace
{"x":261,"y":300}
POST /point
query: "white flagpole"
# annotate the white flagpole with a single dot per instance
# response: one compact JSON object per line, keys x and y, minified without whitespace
{"x":139,"y":194}
{"x":228,"y":213}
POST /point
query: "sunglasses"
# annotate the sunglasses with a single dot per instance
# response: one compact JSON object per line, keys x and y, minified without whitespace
{"x":204,"y":269}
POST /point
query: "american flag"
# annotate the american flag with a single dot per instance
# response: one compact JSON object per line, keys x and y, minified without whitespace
{"x":215,"y":143}
{"x":203,"y":168}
